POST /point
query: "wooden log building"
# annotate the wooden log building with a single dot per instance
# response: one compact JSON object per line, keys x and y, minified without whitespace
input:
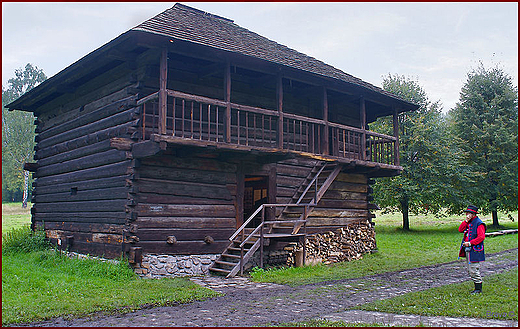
{"x":170,"y":138}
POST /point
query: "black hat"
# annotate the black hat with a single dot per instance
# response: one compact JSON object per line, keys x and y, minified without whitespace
{"x":472,"y":209}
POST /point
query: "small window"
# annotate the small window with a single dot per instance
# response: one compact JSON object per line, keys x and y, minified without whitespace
{"x":73,"y":190}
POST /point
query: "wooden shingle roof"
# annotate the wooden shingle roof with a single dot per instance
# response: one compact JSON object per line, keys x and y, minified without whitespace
{"x":196,"y":26}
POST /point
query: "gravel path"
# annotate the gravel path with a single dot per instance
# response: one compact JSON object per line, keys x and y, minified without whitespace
{"x":247,"y":303}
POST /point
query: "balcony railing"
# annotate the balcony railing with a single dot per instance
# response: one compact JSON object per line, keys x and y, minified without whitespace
{"x":201,"y":118}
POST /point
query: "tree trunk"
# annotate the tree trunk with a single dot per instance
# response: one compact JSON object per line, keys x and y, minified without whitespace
{"x":25,"y":189}
{"x":404,"y":210}
{"x":494,"y":213}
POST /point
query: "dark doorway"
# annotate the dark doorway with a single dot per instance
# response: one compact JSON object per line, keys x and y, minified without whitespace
{"x":255,"y":194}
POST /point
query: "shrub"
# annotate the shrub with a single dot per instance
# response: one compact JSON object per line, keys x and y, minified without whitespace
{"x":23,"y":239}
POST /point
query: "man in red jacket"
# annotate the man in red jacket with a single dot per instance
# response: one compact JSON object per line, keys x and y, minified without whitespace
{"x":472,"y":245}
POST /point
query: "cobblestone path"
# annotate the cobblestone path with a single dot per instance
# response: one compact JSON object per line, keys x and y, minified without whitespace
{"x":247,"y":303}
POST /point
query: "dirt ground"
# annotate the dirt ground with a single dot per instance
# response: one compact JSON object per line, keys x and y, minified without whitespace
{"x":247,"y":303}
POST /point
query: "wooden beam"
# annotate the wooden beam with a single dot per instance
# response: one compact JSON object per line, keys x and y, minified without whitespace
{"x":363,"y":119}
{"x":325,"y":139}
{"x":163,"y":96}
{"x":279,"y":98}
{"x":227,"y":98}
{"x":396,"y":135}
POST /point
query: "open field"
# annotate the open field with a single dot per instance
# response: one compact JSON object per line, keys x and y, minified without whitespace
{"x":14,"y":216}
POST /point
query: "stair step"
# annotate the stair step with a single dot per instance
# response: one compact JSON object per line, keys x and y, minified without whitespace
{"x":251,"y":241}
{"x":230,"y":256}
{"x":238,"y":249}
{"x":216,"y":269}
{"x":225,"y":263}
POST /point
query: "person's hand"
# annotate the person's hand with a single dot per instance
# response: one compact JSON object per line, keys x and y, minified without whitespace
{"x":466,"y":244}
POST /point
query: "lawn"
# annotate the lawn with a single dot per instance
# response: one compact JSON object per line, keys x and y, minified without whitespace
{"x":499,"y":300}
{"x":430,"y":241}
{"x":42,"y":284}
{"x":14,"y":216}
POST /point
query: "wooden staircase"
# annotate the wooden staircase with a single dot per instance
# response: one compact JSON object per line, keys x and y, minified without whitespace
{"x":310,"y":192}
{"x":246,"y":241}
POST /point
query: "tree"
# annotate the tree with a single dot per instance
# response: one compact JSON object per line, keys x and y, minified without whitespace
{"x":425,"y":155}
{"x":18,"y":133}
{"x":485,"y":128}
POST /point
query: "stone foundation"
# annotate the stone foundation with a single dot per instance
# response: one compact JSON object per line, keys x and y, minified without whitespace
{"x":158,"y":266}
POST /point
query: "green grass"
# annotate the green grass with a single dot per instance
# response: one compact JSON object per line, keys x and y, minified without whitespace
{"x":499,"y":300}
{"x":327,"y":323}
{"x":43,"y":284}
{"x":430,"y":241}
{"x":14,"y":216}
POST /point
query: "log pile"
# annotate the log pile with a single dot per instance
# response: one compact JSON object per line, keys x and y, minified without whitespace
{"x":344,"y":244}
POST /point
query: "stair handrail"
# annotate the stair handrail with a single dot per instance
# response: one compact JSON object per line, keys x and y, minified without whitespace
{"x":241,"y":228}
{"x":310,"y":184}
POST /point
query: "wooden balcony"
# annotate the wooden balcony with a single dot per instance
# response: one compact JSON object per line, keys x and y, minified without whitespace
{"x":191,"y":119}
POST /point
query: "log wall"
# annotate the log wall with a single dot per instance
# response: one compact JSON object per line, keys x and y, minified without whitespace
{"x":345,"y":202}
{"x":83,"y":189}
{"x":185,"y":205}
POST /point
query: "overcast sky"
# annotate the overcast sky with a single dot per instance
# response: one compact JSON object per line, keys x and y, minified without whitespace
{"x":436,"y":44}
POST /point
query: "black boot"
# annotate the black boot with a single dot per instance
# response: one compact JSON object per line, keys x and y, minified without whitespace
{"x":478,"y":288}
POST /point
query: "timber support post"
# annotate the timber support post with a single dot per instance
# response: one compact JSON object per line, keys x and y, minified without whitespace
{"x":227,"y":99}
{"x":363,"y":119}
{"x":279,"y":98}
{"x":396,"y":135}
{"x":325,"y":139}
{"x":163,"y":95}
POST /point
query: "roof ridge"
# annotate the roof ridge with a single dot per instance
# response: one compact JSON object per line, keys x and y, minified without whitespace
{"x":179,"y":5}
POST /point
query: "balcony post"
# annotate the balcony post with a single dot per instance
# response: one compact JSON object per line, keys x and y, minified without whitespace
{"x":279,"y":98}
{"x":227,"y":98}
{"x":396,"y":135}
{"x":325,"y":139}
{"x":363,"y":119}
{"x":163,"y":95}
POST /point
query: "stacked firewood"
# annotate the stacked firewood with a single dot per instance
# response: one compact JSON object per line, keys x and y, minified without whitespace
{"x":344,"y":244}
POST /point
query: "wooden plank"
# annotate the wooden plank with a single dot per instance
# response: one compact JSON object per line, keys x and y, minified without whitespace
{"x":217,"y":192}
{"x":161,"y":210}
{"x":163,"y":96}
{"x":161,"y":234}
{"x":105,"y":111}
{"x":287,"y":181}
{"x":187,"y":175}
{"x":115,"y":169}
{"x":190,"y":163}
{"x":120,"y":130}
{"x":338,"y":221}
{"x":175,"y":199}
{"x":90,"y":237}
{"x":330,"y":212}
{"x":86,"y":162}
{"x":85,"y":227}
{"x":185,"y":222}
{"x":145,"y":149}
{"x":112,"y":121}
{"x":349,"y":187}
{"x":91,"y":206}
{"x":342,"y":204}
{"x":395,"y":120}
{"x":352,"y":178}
{"x":76,"y":194}
{"x":292,"y":170}
{"x":76,"y":153}
{"x":227,"y":98}
{"x":183,"y":247}
{"x":96,"y":249}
